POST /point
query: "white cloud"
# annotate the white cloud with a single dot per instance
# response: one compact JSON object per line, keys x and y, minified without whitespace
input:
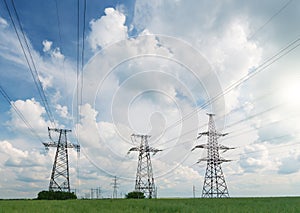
{"x":55,"y":53}
{"x":223,"y":42}
{"x":289,"y":164}
{"x":33,"y":113}
{"x":255,"y":158}
{"x":87,"y":128}
{"x":3,"y":22}
{"x":107,"y":29}
{"x":63,"y":111}
{"x":47,"y":45}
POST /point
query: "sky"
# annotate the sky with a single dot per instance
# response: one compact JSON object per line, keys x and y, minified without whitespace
{"x":156,"y":68}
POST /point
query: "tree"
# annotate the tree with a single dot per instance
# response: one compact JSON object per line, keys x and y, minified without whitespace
{"x":55,"y":195}
{"x":135,"y":195}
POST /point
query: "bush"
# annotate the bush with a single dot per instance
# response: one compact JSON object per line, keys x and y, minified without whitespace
{"x":56,"y":195}
{"x":135,"y":195}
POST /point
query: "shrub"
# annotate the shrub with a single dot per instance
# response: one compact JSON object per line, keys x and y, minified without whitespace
{"x":56,"y":195}
{"x":135,"y":195}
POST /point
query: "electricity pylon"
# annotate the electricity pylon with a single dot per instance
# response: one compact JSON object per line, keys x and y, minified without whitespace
{"x":115,"y":187}
{"x":214,"y":182}
{"x":144,"y":181}
{"x":60,"y":180}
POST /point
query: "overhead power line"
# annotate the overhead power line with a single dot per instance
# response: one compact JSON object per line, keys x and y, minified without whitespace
{"x":58,"y":21}
{"x":30,"y":60}
{"x":19,"y":113}
{"x":80,"y":57}
{"x":233,"y":124}
{"x":269,"y":20}
{"x":282,"y":52}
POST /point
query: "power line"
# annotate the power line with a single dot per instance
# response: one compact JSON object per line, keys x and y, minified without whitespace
{"x":79,"y":66}
{"x":19,"y":113}
{"x":33,"y":69}
{"x":270,"y":148}
{"x":79,"y":91}
{"x":60,"y":45}
{"x":231,"y":125}
{"x":269,"y":20}
{"x":82,"y":52}
{"x":36,"y":75}
{"x":234,"y":110}
{"x":284,"y":51}
{"x":58,"y":21}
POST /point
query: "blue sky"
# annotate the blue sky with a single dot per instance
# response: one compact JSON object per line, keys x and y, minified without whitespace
{"x":147,"y":65}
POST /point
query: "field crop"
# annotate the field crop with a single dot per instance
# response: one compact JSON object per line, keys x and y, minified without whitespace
{"x":277,"y":204}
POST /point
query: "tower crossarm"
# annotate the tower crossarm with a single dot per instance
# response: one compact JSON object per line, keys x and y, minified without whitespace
{"x":217,"y":134}
{"x":54,"y":144}
{"x":150,"y":149}
{"x":218,"y":161}
{"x":225,"y":148}
{"x":206,"y":146}
{"x":154,"y":150}
{"x":58,"y":130}
{"x":133,"y":149}
{"x":202,"y":146}
{"x":202,"y":133}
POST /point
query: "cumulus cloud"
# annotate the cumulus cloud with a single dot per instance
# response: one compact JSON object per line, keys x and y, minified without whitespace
{"x":20,"y":158}
{"x":289,"y":164}
{"x":107,"y":29}
{"x":3,"y":22}
{"x":47,"y":45}
{"x":219,"y":36}
{"x":55,"y":53}
{"x":33,"y":113}
{"x":62,"y":111}
{"x":255,"y":158}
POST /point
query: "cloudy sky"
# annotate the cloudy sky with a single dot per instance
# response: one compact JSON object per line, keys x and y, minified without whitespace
{"x":150,"y":67}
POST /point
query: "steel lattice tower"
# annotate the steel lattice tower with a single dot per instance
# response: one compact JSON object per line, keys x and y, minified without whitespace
{"x":144,"y":176}
{"x":60,"y":180}
{"x":115,"y":187}
{"x":214,"y":182}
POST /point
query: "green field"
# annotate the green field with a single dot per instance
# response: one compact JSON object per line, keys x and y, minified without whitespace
{"x":232,"y":205}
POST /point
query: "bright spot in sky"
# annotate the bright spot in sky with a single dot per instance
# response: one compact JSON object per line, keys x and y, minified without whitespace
{"x":291,"y":93}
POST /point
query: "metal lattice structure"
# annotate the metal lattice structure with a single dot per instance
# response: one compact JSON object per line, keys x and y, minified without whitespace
{"x":60,"y":180}
{"x":144,"y":176}
{"x":214,"y":183}
{"x":115,"y":188}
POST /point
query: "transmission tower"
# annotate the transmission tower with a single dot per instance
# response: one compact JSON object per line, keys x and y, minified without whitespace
{"x":214,"y":182}
{"x":144,"y":176}
{"x":115,"y":187}
{"x":60,"y":180}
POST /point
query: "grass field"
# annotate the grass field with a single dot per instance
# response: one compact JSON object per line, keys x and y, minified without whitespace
{"x":232,"y":205}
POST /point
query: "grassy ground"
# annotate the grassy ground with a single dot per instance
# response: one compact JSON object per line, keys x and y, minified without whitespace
{"x":232,"y":205}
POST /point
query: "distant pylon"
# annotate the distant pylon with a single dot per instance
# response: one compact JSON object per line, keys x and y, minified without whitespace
{"x":60,"y":180}
{"x":214,"y":182}
{"x":115,"y":187}
{"x":144,"y":176}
